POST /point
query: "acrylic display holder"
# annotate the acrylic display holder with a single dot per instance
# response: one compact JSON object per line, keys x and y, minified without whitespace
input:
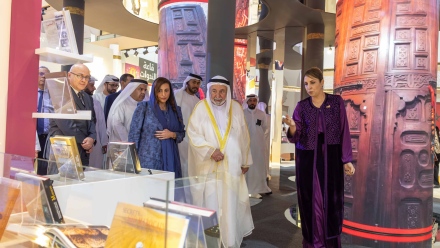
{"x":123,"y":157}
{"x":57,"y":33}
{"x":59,"y":99}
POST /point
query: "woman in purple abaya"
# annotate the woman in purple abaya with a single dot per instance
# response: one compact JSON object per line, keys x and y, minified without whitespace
{"x":319,"y":129}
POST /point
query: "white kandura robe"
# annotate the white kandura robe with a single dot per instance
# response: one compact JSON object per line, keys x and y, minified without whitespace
{"x":118,"y":124}
{"x":221,"y":186}
{"x":187,"y":103}
{"x":100,"y":97}
{"x":256,"y":176}
{"x":97,"y":157}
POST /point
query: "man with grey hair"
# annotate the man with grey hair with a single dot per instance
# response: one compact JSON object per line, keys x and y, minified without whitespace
{"x":219,"y":156}
{"x":83,"y":130}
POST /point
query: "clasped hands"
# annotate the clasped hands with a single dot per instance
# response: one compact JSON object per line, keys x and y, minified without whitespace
{"x":218,"y":156}
{"x":165,"y":134}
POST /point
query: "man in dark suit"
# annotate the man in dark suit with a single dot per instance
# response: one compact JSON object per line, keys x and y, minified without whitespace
{"x":83,"y":130}
{"x":124,"y":80}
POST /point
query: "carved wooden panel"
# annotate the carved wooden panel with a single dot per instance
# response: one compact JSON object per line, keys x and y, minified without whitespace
{"x":384,"y":62}
{"x":182,"y":43}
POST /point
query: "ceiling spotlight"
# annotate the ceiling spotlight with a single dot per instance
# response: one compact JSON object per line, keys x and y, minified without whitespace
{"x":126,"y":53}
{"x":136,"y":52}
{"x":146,"y":51}
{"x":157,"y":50}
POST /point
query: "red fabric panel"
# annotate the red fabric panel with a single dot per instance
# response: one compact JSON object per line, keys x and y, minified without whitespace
{"x":23,"y":77}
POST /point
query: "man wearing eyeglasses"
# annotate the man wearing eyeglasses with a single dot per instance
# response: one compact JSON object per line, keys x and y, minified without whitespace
{"x":43,"y":106}
{"x":108,"y":86}
{"x":83,"y":130}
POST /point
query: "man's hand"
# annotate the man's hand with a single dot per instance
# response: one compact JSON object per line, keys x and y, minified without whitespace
{"x":217,"y":155}
{"x":87,"y":143}
{"x":244,"y":170}
{"x":165,"y":134}
{"x":349,"y":169}
{"x":104,"y":149}
{"x":36,"y":154}
{"x":90,"y":150}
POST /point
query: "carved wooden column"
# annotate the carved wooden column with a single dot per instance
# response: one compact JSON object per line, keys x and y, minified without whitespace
{"x":386,"y":56}
{"x":240,"y":51}
{"x":182,"y":41}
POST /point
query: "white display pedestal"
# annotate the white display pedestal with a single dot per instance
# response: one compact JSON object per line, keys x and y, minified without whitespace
{"x":94,"y":200}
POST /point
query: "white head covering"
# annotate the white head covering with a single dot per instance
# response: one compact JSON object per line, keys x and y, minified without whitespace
{"x":219,"y":80}
{"x":245,"y":105}
{"x":107,"y":78}
{"x":125,"y":93}
{"x":189,"y":77}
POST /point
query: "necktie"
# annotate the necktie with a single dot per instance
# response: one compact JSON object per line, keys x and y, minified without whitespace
{"x":40,"y":121}
{"x":81,"y":98}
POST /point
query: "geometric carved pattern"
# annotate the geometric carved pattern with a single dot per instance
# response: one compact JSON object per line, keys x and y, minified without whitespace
{"x":353,"y":49}
{"x":402,"y":56}
{"x":358,"y":2}
{"x":409,"y":20}
{"x":424,"y":157}
{"x":352,"y":70}
{"x":413,"y":111}
{"x":370,"y":58}
{"x":421,"y":40}
{"x":415,"y":138}
{"x":375,"y":4}
{"x":354,"y":116}
{"x":407,"y":169}
{"x":403,"y":8}
{"x":372,"y":15}
{"x":426,"y":179}
{"x":408,"y":80}
{"x":421,"y":63}
{"x":413,"y":212}
{"x":348,"y":181}
{"x":358,"y":13}
{"x":371,"y":41}
{"x":365,"y":29}
{"x":403,"y":34}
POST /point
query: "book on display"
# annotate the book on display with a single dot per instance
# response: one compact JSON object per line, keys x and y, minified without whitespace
{"x":9,"y":192}
{"x":57,"y":32}
{"x":123,"y":157}
{"x":60,"y":93}
{"x":67,"y":157}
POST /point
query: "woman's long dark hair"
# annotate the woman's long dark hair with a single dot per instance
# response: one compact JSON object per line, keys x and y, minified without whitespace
{"x":158,"y":82}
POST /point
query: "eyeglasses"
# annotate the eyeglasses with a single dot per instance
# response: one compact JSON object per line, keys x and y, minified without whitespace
{"x":113,"y":85}
{"x":81,"y":77}
{"x":41,"y":74}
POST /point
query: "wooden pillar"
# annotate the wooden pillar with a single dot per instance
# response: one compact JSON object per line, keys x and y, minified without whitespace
{"x":386,"y":57}
{"x":182,"y":42}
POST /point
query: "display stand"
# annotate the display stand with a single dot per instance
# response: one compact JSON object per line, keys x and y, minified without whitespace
{"x":123,"y":157}
{"x":10,"y":201}
{"x":201,"y":220}
{"x":68,"y":162}
{"x":39,"y":202}
{"x":204,"y":224}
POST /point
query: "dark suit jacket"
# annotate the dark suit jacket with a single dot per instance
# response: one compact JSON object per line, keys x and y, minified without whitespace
{"x":108,"y":103}
{"x":81,"y":129}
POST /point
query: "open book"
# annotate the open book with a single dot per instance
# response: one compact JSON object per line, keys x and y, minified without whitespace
{"x":135,"y":226}
{"x":68,"y":236}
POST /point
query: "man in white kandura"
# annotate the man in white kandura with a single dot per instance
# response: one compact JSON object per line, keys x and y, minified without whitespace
{"x":108,"y":86}
{"x":258,"y":126}
{"x":219,"y":152}
{"x":121,"y":112}
{"x":187,"y":100}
